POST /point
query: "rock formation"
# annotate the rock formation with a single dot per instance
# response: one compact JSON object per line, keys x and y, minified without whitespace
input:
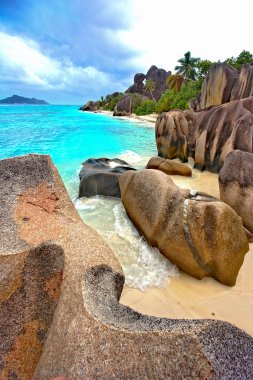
{"x":243,"y":87}
{"x":138,"y":86}
{"x":100,"y":176}
{"x":159,"y":76}
{"x":236,"y":185}
{"x":123,"y":107}
{"x":57,"y":272}
{"x":169,"y":166}
{"x":89,"y":106}
{"x":208,"y":135}
{"x":200,"y":234}
{"x":217,"y":86}
{"x":172,"y":133}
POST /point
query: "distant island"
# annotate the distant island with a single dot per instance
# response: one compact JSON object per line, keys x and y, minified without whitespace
{"x":16,"y":99}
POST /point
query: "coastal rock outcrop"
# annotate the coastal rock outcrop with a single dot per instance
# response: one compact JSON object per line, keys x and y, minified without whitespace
{"x":207,"y":135}
{"x":200,"y":234}
{"x":236,"y":185}
{"x":217,"y":86}
{"x":243,"y":87}
{"x":171,"y":131}
{"x":138,"y":86}
{"x":123,"y":107}
{"x":100,"y":176}
{"x":91,"y":334}
{"x":89,"y":106}
{"x":169,"y":166}
{"x":158,"y":76}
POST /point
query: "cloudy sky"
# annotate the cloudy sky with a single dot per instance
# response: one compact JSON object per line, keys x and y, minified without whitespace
{"x":69,"y":51}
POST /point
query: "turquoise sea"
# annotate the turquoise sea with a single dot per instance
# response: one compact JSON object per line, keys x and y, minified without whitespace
{"x":70,"y":137}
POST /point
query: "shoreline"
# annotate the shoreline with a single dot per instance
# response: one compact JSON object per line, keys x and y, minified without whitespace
{"x":147,"y":119}
{"x":185,"y":297}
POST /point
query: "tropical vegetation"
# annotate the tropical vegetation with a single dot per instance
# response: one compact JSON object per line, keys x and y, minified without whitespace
{"x":182,"y":86}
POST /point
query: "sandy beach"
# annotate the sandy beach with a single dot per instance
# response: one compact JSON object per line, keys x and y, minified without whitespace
{"x":187,"y":297}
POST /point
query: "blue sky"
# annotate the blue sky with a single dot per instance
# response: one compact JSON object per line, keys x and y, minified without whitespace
{"x":69,"y":51}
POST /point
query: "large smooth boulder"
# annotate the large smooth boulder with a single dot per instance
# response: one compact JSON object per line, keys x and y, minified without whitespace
{"x":236,"y":185}
{"x":123,"y":107}
{"x":100,"y":176}
{"x":169,"y":166}
{"x":217,"y":86}
{"x":200,"y":234}
{"x":243,"y":87}
{"x":71,"y":324}
{"x":138,"y":86}
{"x":159,"y":77}
{"x":171,"y":131}
{"x":208,"y":135}
{"x":89,"y":106}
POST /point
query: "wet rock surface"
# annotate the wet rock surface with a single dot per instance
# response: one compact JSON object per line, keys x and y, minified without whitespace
{"x":91,"y":335}
{"x":200,"y":234}
{"x":100,"y":176}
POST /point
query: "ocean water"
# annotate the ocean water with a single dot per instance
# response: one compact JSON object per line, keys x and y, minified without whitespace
{"x":70,"y":137}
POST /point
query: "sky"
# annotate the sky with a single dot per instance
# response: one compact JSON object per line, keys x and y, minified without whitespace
{"x":70,"y":51}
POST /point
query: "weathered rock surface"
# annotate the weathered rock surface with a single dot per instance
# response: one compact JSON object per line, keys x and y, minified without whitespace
{"x":169,"y":166}
{"x":243,"y":87}
{"x":200,"y":234}
{"x":217,"y":86}
{"x":100,"y":176}
{"x":172,"y":133}
{"x":207,"y":135}
{"x":89,"y":106}
{"x":138,"y":86}
{"x":159,"y":76}
{"x":236,"y":185}
{"x":91,"y":334}
{"x":123,"y":107}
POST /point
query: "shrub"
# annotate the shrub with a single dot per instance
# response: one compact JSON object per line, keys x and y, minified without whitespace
{"x":147,"y":107}
{"x":112,"y":102}
{"x":163,"y":104}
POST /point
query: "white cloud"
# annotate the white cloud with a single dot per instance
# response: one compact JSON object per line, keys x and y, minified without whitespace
{"x":162,"y":31}
{"x":22,"y":61}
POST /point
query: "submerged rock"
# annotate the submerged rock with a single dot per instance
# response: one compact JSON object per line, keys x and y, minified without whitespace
{"x":100,"y":176}
{"x":236,"y":185}
{"x":169,"y":166}
{"x":200,"y":234}
{"x":91,"y":335}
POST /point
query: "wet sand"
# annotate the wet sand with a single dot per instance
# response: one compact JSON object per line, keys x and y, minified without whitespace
{"x":187,"y":297}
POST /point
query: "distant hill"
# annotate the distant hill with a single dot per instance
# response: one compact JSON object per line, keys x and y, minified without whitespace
{"x":16,"y":99}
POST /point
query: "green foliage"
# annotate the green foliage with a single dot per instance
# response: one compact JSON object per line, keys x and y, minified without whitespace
{"x":164,"y":103}
{"x":203,"y":67}
{"x":179,"y":100}
{"x":147,"y":107}
{"x":174,"y":82}
{"x":112,"y":102}
{"x":187,"y":67}
{"x":136,"y":100}
{"x":244,"y":57}
{"x":150,"y":86}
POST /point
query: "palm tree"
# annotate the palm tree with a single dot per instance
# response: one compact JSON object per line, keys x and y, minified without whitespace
{"x":150,"y":86}
{"x":174,"y":82}
{"x":187,"y":67}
